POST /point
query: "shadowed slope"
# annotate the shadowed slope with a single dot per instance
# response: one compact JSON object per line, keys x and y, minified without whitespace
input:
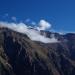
{"x":21,"y":56}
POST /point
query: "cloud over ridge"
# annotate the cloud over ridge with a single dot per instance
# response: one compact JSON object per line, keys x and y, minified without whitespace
{"x":43,"y":25}
{"x":33,"y":34}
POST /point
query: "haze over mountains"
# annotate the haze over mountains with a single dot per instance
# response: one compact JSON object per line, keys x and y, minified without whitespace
{"x":31,"y":32}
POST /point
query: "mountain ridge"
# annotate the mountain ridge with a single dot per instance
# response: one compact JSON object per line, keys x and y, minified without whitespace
{"x":27,"y":57}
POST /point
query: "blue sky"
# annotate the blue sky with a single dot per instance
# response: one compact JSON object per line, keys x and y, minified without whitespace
{"x":60,"y":13}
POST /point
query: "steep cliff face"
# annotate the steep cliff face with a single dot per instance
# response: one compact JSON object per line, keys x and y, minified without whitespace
{"x":5,"y":67}
{"x":21,"y":56}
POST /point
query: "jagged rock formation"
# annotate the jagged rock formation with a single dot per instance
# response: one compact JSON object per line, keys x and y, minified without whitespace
{"x":21,"y":56}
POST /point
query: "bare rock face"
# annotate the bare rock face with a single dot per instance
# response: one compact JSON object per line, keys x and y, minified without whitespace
{"x":21,"y":56}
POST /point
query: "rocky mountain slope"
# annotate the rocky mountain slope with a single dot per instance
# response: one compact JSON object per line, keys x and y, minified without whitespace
{"x":21,"y":56}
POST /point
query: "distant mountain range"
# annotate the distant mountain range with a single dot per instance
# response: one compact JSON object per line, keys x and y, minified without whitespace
{"x":21,"y":56}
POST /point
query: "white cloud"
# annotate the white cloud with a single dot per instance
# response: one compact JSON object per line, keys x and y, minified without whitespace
{"x":33,"y":23}
{"x":27,"y":20}
{"x":43,"y":25}
{"x":31,"y":33}
{"x":13,"y":18}
{"x":30,"y":21}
